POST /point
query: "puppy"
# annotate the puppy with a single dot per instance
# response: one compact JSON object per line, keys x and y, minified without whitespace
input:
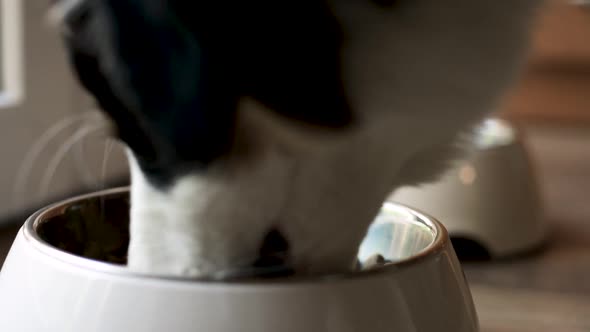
{"x":264,"y":136}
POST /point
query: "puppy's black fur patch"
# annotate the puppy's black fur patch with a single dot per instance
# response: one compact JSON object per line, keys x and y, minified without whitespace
{"x":170,"y":73}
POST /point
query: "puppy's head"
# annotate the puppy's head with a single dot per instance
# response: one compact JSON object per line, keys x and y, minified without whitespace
{"x":265,"y":133}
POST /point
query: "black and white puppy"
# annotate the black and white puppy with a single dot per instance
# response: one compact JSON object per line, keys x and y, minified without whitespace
{"x":269,"y":132}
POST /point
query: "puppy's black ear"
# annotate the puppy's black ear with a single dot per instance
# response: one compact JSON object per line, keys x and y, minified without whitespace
{"x":84,"y":30}
{"x":295,"y":66}
{"x":146,"y":68}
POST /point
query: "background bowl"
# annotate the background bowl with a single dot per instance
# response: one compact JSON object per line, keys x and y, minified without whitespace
{"x":490,"y":203}
{"x":47,"y":285}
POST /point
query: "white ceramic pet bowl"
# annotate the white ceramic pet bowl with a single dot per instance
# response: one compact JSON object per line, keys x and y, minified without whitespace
{"x":46,"y":289}
{"x":490,"y":203}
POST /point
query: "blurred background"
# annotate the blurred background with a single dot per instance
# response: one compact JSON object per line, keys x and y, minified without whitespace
{"x":42,"y":108}
{"x":53,"y":143}
{"x":556,"y":82}
{"x":52,"y":146}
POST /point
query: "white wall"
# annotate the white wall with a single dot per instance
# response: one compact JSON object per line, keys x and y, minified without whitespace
{"x":49,"y":94}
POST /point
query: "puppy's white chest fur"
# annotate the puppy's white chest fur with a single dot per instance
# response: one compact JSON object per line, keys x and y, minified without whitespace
{"x":415,"y":76}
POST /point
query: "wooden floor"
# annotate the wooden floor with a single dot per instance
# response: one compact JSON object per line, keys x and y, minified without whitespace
{"x":548,"y":290}
{"x":551,"y":93}
{"x":516,"y":310}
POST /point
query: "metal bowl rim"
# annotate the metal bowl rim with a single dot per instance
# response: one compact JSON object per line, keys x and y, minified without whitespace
{"x":439,"y":244}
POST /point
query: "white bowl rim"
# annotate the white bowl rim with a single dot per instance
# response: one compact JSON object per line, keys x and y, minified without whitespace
{"x":439,"y":244}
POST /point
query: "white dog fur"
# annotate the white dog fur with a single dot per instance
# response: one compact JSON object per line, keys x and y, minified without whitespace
{"x":416,"y":76}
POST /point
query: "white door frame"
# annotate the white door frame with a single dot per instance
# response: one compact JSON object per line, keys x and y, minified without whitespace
{"x":11,"y":29}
